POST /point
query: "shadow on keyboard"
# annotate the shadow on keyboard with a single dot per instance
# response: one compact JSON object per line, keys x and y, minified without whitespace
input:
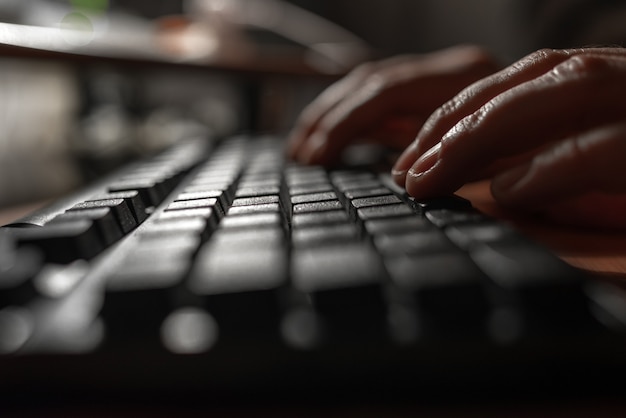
{"x":221,"y":270}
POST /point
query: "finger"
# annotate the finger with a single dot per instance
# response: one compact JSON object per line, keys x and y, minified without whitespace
{"x":591,"y":162}
{"x":579,"y":93}
{"x":325,"y":102}
{"x":311,"y":116}
{"x":475,"y":96}
{"x":414,"y":87}
{"x":592,"y":210}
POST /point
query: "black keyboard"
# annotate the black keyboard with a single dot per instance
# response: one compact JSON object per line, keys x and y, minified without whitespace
{"x":219,"y":269}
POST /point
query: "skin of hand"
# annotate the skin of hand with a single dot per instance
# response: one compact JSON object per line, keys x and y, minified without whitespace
{"x":550,"y":130}
{"x":386,"y":101}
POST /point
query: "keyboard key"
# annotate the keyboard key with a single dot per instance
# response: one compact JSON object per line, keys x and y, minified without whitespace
{"x":133,"y":200}
{"x":423,"y":241}
{"x":379,"y":212}
{"x":252,"y":209}
{"x":446,"y":217}
{"x":243,"y":297}
{"x":64,"y":242}
{"x":103,"y":218}
{"x":540,"y":290}
{"x":321,"y":187}
{"x":122,"y":212}
{"x":252,"y":221}
{"x":313,"y":197}
{"x":319,"y":218}
{"x":317,"y":206}
{"x":192,"y":204}
{"x":324,"y":235}
{"x":396,"y":225}
{"x":448,"y":291}
{"x":261,"y":200}
{"x":345,"y":288}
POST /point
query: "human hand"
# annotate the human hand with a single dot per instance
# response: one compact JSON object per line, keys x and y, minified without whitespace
{"x":550,"y":130}
{"x":387,"y":101}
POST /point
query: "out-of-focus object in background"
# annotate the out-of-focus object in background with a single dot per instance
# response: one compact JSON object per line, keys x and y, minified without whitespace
{"x":328,"y":47}
{"x":37,"y":107}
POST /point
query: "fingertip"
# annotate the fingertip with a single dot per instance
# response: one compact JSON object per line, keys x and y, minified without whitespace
{"x":403,"y":163}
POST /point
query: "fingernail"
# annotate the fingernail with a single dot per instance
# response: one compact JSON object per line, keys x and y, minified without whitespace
{"x":425,"y":162}
{"x":404,"y":162}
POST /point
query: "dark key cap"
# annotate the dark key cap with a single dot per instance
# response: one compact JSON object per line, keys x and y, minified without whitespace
{"x":234,"y":240}
{"x":396,"y":225}
{"x":166,"y":228}
{"x":103,"y":218}
{"x":413,"y":242}
{"x":119,"y":207}
{"x":310,"y":188}
{"x":208,"y":216}
{"x":252,"y":221}
{"x":447,"y":217}
{"x":540,"y":290}
{"x":317,"y":206}
{"x":446,"y":202}
{"x":466,"y":235}
{"x":261,"y":200}
{"x":313,"y":197}
{"x":378,"y":212}
{"x":319,"y":218}
{"x":324,"y":235}
{"x":133,"y":200}
{"x":251,"y":209}
{"x":344,"y":284}
{"x":192,"y":204}
{"x":257,"y":191}
{"x":141,"y":292}
{"x":448,"y":291}
{"x":242,"y":288}
{"x":152,"y":191}
{"x":220,"y":195}
{"x":368,"y":202}
{"x":357,"y":184}
{"x":63,"y":242}
{"x":367,"y":192}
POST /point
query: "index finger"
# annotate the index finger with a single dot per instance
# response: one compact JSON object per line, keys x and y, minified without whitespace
{"x":521,"y":119}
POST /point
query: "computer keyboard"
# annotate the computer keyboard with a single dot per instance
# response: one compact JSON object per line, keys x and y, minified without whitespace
{"x":220,"y":268}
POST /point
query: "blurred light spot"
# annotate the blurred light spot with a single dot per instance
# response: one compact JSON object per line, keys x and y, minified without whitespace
{"x":16,"y":327}
{"x":189,"y":331}
{"x":91,"y":5}
{"x":57,"y":281}
{"x":77,"y":29}
{"x":301,"y":328}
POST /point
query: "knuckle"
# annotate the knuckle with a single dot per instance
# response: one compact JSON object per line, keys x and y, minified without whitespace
{"x":478,"y":55}
{"x":581,"y":66}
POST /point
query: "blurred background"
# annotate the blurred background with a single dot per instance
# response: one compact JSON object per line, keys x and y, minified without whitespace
{"x":131,"y":77}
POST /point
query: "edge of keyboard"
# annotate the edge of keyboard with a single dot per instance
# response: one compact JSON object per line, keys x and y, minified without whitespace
{"x":548,"y":326}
